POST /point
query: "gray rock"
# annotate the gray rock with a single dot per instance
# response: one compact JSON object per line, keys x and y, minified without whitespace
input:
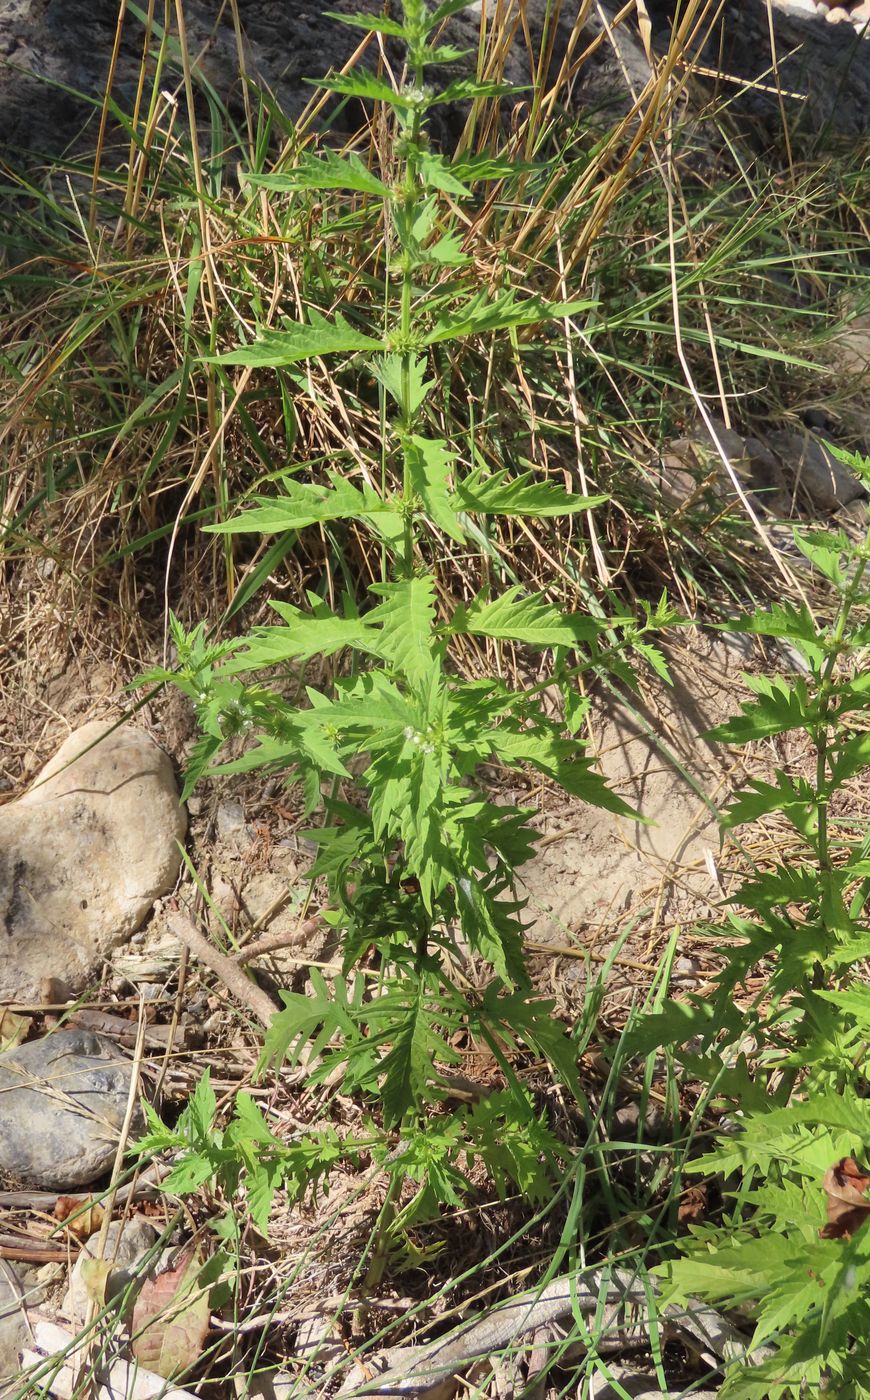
{"x":64,"y":1098}
{"x":69,"y":43}
{"x":83,"y":856}
{"x":813,"y":471}
{"x":128,"y":1242}
{"x":13,"y":1320}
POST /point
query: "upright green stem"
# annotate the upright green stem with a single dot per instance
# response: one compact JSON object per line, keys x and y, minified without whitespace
{"x":822,"y":737}
{"x":415,"y":15}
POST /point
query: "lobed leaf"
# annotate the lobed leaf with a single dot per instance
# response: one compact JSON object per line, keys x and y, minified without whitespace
{"x":530,"y":618}
{"x":501,"y":494}
{"x":274,"y":348}
{"x":327,"y":171}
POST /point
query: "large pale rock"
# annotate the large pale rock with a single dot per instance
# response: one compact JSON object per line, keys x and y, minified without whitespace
{"x":83,"y":856}
{"x":64,"y":1098}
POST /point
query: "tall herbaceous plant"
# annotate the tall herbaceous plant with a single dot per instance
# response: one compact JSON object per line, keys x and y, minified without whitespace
{"x":420,"y":864}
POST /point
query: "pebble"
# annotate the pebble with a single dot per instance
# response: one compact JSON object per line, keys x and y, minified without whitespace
{"x":230,"y":823}
{"x":64,"y":1099}
{"x":829,"y":483}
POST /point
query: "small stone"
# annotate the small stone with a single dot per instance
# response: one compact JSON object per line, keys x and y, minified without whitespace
{"x":84,"y":853}
{"x":64,"y":1100}
{"x":627,"y":1118}
{"x":836,"y":15}
{"x":273,"y":1385}
{"x":230,"y":823}
{"x":814,"y":471}
{"x":127,"y":1244}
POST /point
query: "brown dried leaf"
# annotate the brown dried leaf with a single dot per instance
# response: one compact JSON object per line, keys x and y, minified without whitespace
{"x":83,"y":1217}
{"x":171,"y":1318}
{"x":845,"y":1184}
{"x":694,"y":1205}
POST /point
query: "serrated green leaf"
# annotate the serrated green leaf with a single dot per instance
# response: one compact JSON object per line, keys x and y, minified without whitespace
{"x":782,"y":705}
{"x":678,"y":1023}
{"x":198,"y":761}
{"x":826,"y":550}
{"x":406,"y":618}
{"x":484,"y":313}
{"x":372,"y":23}
{"x":467,"y":89}
{"x":407,"y":1066}
{"x":447,"y":251}
{"x":301,"y":638}
{"x":304,"y":503}
{"x":371,"y":702}
{"x":327,"y":171}
{"x":274,"y":348}
{"x":446,"y":9}
{"x":501,"y":494}
{"x":859,"y":463}
{"x":445,"y":53}
{"x":437,"y":174}
{"x":469,"y":168}
{"x":848,"y":758}
{"x":201,"y":1109}
{"x":493,"y":929}
{"x":291,"y":1028}
{"x":249,"y":1125}
{"x":526,"y":618}
{"x":429,"y":463}
{"x":793,"y":796}
{"x":263,"y":1177}
{"x":388,"y":370}
{"x":558,"y":759}
{"x":365,"y":85}
{"x":189,"y":1174}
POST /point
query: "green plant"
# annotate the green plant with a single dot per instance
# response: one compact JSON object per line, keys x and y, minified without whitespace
{"x":244,"y":1153}
{"x":807,"y":928}
{"x":419,"y":863}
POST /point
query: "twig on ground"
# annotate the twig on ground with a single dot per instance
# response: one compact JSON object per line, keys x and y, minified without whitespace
{"x":272,"y":942}
{"x":142,"y":1189}
{"x":233,"y":978}
{"x":125,"y":1032}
